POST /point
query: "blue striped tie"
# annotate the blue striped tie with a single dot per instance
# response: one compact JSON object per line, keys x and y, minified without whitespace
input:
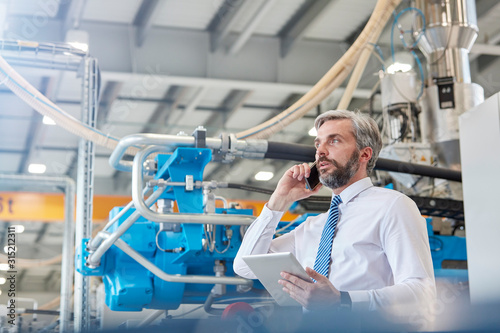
{"x":322,"y":262}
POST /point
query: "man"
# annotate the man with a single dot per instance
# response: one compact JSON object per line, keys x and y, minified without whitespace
{"x":380,"y":257}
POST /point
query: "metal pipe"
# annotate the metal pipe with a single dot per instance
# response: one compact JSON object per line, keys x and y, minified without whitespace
{"x":96,"y":241}
{"x":205,"y":279}
{"x":95,"y":258}
{"x":143,"y":209}
{"x":152,"y":139}
{"x":151,"y":318}
{"x":67,"y":265}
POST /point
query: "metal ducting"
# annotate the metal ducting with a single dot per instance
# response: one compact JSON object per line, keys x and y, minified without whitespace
{"x":449,"y":33}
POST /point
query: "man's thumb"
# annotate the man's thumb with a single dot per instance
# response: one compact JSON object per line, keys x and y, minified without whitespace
{"x":313,"y":274}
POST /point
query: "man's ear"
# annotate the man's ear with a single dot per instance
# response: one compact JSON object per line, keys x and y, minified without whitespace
{"x":365,"y":154}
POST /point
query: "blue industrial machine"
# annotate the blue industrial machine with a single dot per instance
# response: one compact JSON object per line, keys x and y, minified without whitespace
{"x":177,"y":249}
{"x":449,"y":255}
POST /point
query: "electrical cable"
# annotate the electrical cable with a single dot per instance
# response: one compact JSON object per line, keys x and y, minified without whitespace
{"x":410,"y":48}
{"x":396,"y":18}
{"x":380,"y":55}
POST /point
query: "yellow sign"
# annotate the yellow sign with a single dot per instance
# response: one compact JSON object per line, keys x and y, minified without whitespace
{"x":49,"y":207}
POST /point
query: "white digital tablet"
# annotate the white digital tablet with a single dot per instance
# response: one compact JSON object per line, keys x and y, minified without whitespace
{"x":267,"y":268}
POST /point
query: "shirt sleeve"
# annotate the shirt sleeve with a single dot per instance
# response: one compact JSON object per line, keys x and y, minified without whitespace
{"x":405,"y":242}
{"x":258,"y":239}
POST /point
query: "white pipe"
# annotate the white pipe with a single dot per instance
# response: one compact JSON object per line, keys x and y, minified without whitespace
{"x":151,"y":318}
{"x":95,"y":258}
{"x":151,"y":139}
{"x":205,"y":279}
{"x":96,"y":241}
{"x":24,"y":90}
{"x":147,"y":213}
{"x":357,"y":73}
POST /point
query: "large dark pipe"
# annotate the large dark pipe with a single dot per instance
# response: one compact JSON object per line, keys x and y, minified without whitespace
{"x":305,"y":153}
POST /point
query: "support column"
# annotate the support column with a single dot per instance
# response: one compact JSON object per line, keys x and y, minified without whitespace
{"x":85,"y":189}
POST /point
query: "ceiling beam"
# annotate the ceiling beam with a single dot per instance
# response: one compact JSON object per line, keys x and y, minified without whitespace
{"x":41,"y":233}
{"x":144,"y":20}
{"x":190,"y":106}
{"x":486,"y":49}
{"x":109,"y":95}
{"x":159,"y":119}
{"x":251,"y":26}
{"x":234,"y":100}
{"x":223,"y":83}
{"x":35,"y":127}
{"x":224,"y":20}
{"x":297,"y":26}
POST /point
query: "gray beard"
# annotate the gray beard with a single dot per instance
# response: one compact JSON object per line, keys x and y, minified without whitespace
{"x":342,"y":174}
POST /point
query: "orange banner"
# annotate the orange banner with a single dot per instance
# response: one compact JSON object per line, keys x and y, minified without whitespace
{"x":49,"y":207}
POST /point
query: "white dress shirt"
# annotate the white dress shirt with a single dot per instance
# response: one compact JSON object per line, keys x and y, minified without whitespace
{"x":380,"y":252}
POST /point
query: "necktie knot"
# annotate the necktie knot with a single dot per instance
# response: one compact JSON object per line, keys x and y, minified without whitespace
{"x":335,"y":201}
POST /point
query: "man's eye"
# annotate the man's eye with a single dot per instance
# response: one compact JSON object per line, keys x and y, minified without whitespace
{"x":332,"y":141}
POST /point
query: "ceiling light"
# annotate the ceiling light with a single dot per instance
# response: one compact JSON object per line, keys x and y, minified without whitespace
{"x":264,"y":175}
{"x":3,"y":280}
{"x":18,"y":229}
{"x":401,"y":62}
{"x":79,"y":39}
{"x":48,"y":121}
{"x":4,"y":267}
{"x":313,"y":132}
{"x":37,"y":168}
{"x":81,"y":46}
{"x":399,"y":67}
{"x":8,"y":248}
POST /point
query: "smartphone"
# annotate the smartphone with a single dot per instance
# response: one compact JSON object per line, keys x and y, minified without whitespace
{"x":313,"y":180}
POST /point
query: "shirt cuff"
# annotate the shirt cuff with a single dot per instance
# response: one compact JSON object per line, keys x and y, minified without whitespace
{"x":273,"y":215}
{"x":360,"y":300}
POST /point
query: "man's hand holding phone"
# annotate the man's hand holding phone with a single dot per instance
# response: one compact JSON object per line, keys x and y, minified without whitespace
{"x":312,"y":182}
{"x":292,"y":187}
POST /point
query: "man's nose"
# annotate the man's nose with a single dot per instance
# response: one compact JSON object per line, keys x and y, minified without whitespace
{"x":320,"y":151}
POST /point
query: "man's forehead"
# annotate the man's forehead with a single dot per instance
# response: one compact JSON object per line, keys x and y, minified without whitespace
{"x":341,"y":127}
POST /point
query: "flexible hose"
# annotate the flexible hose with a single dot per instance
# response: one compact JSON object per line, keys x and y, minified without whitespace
{"x":29,"y":94}
{"x":357,"y":73}
{"x":24,"y":90}
{"x":381,"y":14}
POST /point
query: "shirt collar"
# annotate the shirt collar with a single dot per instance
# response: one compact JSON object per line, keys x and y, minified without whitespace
{"x":354,"y":189}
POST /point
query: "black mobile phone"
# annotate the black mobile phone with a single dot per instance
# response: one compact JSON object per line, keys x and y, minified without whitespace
{"x":313,"y":180}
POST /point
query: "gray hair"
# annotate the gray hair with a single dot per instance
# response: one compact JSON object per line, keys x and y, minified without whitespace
{"x":365,"y":131}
